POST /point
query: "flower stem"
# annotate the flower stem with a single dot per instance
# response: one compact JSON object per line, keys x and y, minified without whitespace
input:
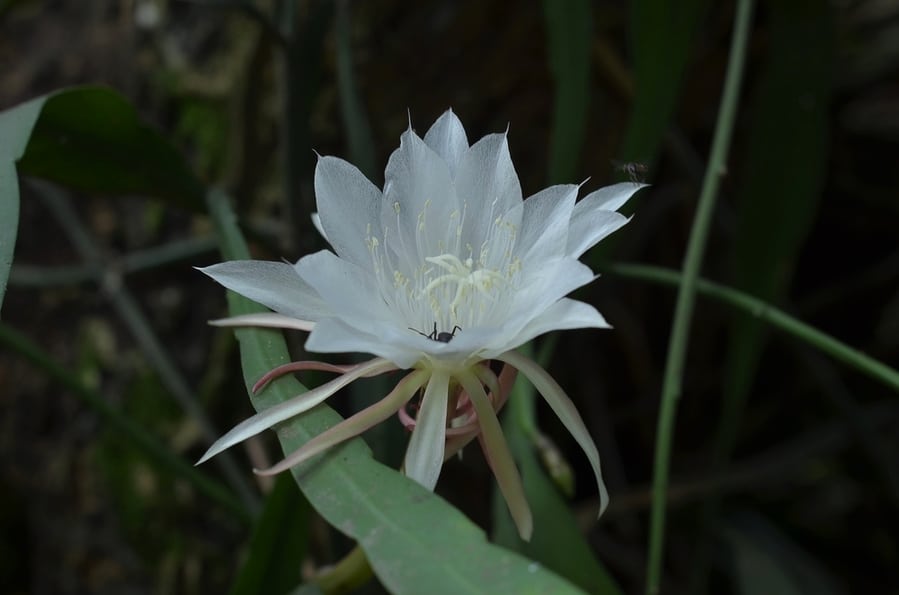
{"x":351,"y":573}
{"x":677,"y":348}
{"x":776,"y":317}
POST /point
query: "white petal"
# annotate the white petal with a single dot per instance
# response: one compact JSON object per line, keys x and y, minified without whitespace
{"x":355,"y":425}
{"x":499,"y":245}
{"x":265,"y":319}
{"x":447,"y":138}
{"x":587,"y":229}
{"x":348,"y":204}
{"x":275,"y":285}
{"x":332,"y":335}
{"x":545,"y":222}
{"x":611,"y":198}
{"x":424,"y":456}
{"x":564,"y":314}
{"x":417,"y":212}
{"x":594,"y":217}
{"x":565,"y":410}
{"x":287,"y":409}
{"x":317,"y":224}
{"x":349,"y":290}
{"x":488,"y":185}
{"x":540,"y":288}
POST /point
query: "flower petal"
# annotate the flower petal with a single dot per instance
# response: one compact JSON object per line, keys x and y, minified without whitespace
{"x":594,"y":216}
{"x":455,"y":444}
{"x":287,"y":409}
{"x":565,"y":410}
{"x":545,"y":222}
{"x":275,"y":285}
{"x":317,"y":224}
{"x":447,"y":138}
{"x":265,"y":319}
{"x":353,"y":426}
{"x":564,"y":314}
{"x":347,"y":204}
{"x":487,"y":185}
{"x":349,"y":290}
{"x":332,"y":335}
{"x":424,"y":456}
{"x":498,"y":456}
{"x":419,"y":206}
{"x":542,"y":287}
{"x":611,"y":198}
{"x":587,"y":229}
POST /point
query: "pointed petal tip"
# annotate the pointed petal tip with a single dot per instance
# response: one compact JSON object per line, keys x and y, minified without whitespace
{"x":603,"y":500}
{"x":205,"y":270}
{"x":266,"y":472}
{"x":526,"y":527}
{"x":209,"y":454}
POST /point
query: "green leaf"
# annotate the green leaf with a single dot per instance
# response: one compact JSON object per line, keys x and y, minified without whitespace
{"x":557,"y":541}
{"x":415,"y":541}
{"x":568,"y":39}
{"x":661,"y":41}
{"x":16,"y":125}
{"x":92,"y":139}
{"x":784,"y":173}
{"x":278,"y":545}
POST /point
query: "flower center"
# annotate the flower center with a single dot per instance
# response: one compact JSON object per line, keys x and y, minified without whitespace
{"x":433,"y":276}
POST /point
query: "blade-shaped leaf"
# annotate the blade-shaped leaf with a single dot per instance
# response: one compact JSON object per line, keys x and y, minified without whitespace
{"x":415,"y":541}
{"x":16,"y":125}
{"x":784,"y":174}
{"x":662,"y":36}
{"x":280,"y":535}
{"x":92,"y":139}
{"x":568,"y":30}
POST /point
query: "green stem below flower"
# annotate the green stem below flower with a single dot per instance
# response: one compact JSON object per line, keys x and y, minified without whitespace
{"x":677,"y":347}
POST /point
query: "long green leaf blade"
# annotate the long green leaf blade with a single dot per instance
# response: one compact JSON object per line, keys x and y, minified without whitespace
{"x":16,"y":125}
{"x":92,"y":139}
{"x":280,"y":536}
{"x":568,"y":28}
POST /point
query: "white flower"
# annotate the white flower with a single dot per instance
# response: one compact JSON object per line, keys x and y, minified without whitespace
{"x":444,"y":270}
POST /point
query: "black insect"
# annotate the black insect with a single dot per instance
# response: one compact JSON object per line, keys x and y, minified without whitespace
{"x":635,"y":171}
{"x":441,"y":337}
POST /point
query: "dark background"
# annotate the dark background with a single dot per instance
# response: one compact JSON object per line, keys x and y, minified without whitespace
{"x":782,"y":456}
